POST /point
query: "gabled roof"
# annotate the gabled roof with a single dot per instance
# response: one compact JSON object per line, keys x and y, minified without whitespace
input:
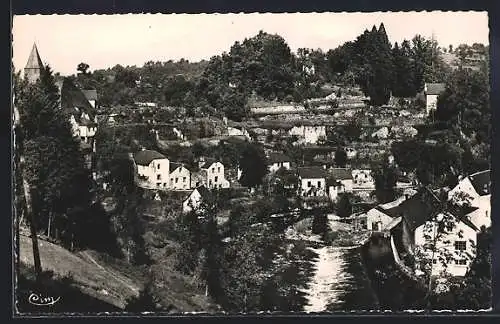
{"x":419,"y":209}
{"x":174,"y":166}
{"x":207,"y":163}
{"x":435,"y":88}
{"x":341,"y":174}
{"x":278,"y":157}
{"x":72,"y":97}
{"x":90,"y":94}
{"x":34,"y":60}
{"x":311,"y":172}
{"x":205,"y":194}
{"x":481,"y":181}
{"x":145,"y":157}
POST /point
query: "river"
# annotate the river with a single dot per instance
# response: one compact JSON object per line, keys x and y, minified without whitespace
{"x":340,"y":282}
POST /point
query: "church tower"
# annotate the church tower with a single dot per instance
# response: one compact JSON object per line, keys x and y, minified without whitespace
{"x":34,"y":67}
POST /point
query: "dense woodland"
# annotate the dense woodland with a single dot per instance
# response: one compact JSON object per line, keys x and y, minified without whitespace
{"x":238,"y":274}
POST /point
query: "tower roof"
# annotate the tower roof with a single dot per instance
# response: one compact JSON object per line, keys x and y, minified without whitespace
{"x":34,"y":60}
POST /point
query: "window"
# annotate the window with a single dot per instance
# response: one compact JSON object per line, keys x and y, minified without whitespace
{"x":218,"y":169}
{"x":183,"y":179}
{"x":213,"y":170}
{"x":164,"y":184}
{"x":461,"y":262}
{"x":176,"y":180}
{"x":158,"y":166}
{"x":216,"y":178}
{"x":309,"y":184}
{"x":460,"y":245}
{"x":158,"y":177}
{"x":158,"y":184}
{"x":171,"y":181}
{"x":434,"y":261}
{"x":319,"y":184}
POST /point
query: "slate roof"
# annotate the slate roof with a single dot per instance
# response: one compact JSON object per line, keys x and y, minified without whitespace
{"x":208,"y":162}
{"x":145,"y":157}
{"x":90,"y":94}
{"x":311,"y":172}
{"x":435,"y":88}
{"x":481,"y":181}
{"x":419,"y":209}
{"x":72,"y":97}
{"x":34,"y":60}
{"x":341,"y":174}
{"x":278,"y":157}
{"x":173,"y":166}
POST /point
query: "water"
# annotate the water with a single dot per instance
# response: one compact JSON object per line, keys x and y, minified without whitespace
{"x":340,"y":282}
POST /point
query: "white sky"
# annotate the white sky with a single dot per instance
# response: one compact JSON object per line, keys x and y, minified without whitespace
{"x":103,"y":41}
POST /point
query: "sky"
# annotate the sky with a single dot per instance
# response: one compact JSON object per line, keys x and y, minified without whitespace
{"x":103,"y":41}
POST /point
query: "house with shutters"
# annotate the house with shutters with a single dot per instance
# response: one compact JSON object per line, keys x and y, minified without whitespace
{"x":432,"y":92}
{"x":277,"y":161}
{"x":312,"y":182}
{"x":180,"y":177}
{"x":152,"y":168}
{"x":211,"y":174}
{"x":423,"y":224}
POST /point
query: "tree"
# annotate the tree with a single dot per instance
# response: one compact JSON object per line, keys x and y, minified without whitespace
{"x":340,"y":157}
{"x":385,"y":182}
{"x":83,"y":68}
{"x":253,"y":165}
{"x":320,"y":223}
{"x":145,"y":302}
{"x":344,"y":208}
{"x":403,"y":82}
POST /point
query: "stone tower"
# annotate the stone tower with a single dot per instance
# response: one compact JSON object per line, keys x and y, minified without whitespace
{"x":34,"y":66}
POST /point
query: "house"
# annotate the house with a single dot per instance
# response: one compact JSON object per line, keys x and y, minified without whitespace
{"x":432,"y":92}
{"x":363,"y":178}
{"x":382,"y":216}
{"x":180,"y":177}
{"x":196,"y":199}
{"x":153,"y":169}
{"x":421,"y":216}
{"x":233,"y":131}
{"x":312,"y":181}
{"x":309,"y":134}
{"x":211,"y":174}
{"x":278,"y":161}
{"x":475,"y":191}
{"x":344,"y":176}
{"x":382,"y":133}
{"x":91,"y":96}
{"x":334,"y":189}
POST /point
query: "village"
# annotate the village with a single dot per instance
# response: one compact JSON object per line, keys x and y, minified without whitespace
{"x":327,"y":166}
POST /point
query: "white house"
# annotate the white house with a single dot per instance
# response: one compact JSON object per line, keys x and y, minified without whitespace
{"x":152,"y":169}
{"x":196,"y":198}
{"x":233,"y":131}
{"x":278,"y":161}
{"x":309,"y":134}
{"x":344,"y":176}
{"x":212,"y":172}
{"x":180,"y":177}
{"x":380,"y":217}
{"x":432,"y":92}
{"x":312,"y":181}
{"x":475,"y":191}
{"x":455,"y":249}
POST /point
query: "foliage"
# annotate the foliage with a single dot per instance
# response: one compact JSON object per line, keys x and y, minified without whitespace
{"x":340,"y":157}
{"x":253,"y":165}
{"x":320,"y":223}
{"x":344,"y":206}
{"x":385,"y":177}
{"x":145,"y":302}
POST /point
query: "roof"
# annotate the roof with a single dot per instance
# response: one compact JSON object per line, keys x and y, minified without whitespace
{"x":174,"y":166}
{"x":278,"y":157}
{"x":481,"y":181}
{"x":341,"y":174}
{"x":419,"y":209}
{"x":90,"y":94}
{"x":34,"y":60}
{"x":311,"y":172}
{"x":145,"y":157}
{"x":72,"y":97}
{"x":208,"y":162}
{"x":204,"y":193}
{"x":435,"y":88}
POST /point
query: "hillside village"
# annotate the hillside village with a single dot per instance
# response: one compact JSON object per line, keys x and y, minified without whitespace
{"x":170,"y":177}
